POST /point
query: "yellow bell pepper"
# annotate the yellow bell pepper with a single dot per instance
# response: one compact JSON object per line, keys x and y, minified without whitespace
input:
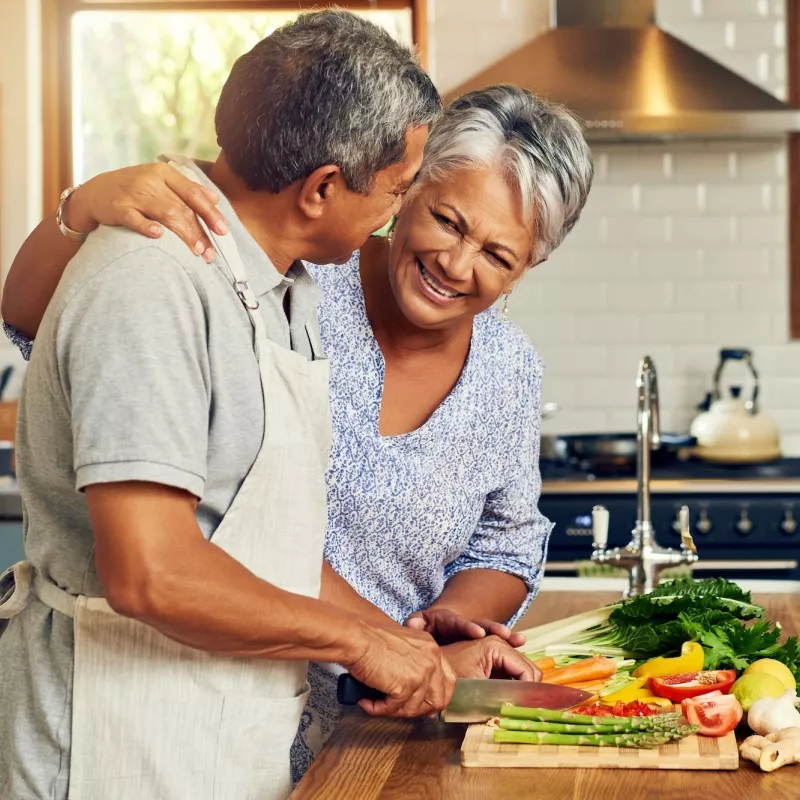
{"x":690,"y":660}
{"x":636,"y":691}
{"x":631,"y":692}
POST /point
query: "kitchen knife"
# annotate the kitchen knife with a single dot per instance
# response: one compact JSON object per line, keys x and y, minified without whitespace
{"x":478,"y":699}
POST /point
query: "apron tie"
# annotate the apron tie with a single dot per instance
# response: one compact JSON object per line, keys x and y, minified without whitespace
{"x":16,"y":585}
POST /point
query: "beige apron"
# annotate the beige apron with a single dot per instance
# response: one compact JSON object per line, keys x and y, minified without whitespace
{"x":152,"y":719}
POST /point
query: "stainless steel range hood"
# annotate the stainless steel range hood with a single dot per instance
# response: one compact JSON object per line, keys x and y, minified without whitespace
{"x":610,"y":63}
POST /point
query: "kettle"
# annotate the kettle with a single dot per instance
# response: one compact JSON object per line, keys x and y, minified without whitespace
{"x":732,"y":430}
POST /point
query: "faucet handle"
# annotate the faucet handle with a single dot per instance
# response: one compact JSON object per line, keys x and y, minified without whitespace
{"x":600,"y":527}
{"x":687,"y":543}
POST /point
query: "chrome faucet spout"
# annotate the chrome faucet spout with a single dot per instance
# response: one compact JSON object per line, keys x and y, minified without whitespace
{"x":643,"y":558}
{"x":648,"y":438}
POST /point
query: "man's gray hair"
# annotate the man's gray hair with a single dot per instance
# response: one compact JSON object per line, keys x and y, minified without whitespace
{"x":540,"y":146}
{"x":327,"y":88}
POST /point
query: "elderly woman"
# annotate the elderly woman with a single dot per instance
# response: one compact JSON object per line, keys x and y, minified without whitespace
{"x":433,"y":481}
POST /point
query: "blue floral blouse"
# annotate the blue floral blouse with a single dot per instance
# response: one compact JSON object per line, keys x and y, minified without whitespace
{"x":405,"y":513}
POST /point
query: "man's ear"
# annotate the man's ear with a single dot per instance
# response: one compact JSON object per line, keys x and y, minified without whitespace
{"x":319,"y":189}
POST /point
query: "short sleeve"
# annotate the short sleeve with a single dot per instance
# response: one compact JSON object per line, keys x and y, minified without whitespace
{"x":512,"y":535}
{"x":19,"y":340}
{"x":133,"y":364}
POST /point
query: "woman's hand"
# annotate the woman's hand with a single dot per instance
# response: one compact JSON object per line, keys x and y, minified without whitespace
{"x":448,"y":626}
{"x":491,"y":657}
{"x":147,"y":199}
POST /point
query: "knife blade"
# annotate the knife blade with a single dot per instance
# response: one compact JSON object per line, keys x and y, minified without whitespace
{"x":478,"y":699}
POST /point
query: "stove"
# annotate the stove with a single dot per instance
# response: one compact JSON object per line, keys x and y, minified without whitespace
{"x":745,"y":519}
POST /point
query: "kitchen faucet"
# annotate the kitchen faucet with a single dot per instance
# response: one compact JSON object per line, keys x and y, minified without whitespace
{"x":643,"y":557}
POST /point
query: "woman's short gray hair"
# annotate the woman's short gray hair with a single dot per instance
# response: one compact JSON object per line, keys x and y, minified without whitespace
{"x":539,"y":144}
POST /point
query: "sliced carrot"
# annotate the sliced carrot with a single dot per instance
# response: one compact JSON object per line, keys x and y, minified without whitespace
{"x":589,"y":669}
{"x":589,"y":686}
{"x":545,"y":663}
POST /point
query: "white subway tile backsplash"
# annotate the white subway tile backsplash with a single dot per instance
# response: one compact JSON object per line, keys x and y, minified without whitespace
{"x":763,"y":230}
{"x":732,"y":9}
{"x":604,"y":263}
{"x":783,"y":392}
{"x":640,"y":294}
{"x":704,"y":165}
{"x":664,"y":199}
{"x":763,"y":295}
{"x":705,"y":230}
{"x":762,"y":165}
{"x":681,"y":12}
{"x":544,"y":327}
{"x":636,"y":165}
{"x":779,"y":264}
{"x":743,"y":198}
{"x":571,"y":360}
{"x":739,"y":262}
{"x":607,"y":328}
{"x":604,"y":393}
{"x":624,"y":359}
{"x":573,"y":420}
{"x":758,"y":35}
{"x":672,"y":328}
{"x":670,"y":262}
{"x":707,"y":295}
{"x":778,"y":359}
{"x":574,"y":295}
{"x":707,"y":35}
{"x":622,"y":230}
{"x":613,"y":200}
{"x":740,"y":329}
{"x":559,"y":389}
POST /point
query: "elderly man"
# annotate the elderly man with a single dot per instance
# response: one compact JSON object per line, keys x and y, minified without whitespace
{"x":172,"y":446}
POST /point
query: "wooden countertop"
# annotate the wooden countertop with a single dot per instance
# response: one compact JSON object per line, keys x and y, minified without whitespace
{"x":380,"y":759}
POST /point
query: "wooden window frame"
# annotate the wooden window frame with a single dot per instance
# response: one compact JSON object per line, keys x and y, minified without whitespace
{"x":793,"y":171}
{"x":56,"y":66}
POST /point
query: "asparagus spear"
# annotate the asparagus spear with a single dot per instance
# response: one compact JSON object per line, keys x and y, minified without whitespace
{"x":659,"y":721}
{"x":558,"y":727}
{"x":642,"y":740}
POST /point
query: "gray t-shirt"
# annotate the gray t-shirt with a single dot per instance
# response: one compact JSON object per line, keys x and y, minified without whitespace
{"x":143,"y":369}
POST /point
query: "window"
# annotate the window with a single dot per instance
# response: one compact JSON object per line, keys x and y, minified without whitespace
{"x":125,"y":81}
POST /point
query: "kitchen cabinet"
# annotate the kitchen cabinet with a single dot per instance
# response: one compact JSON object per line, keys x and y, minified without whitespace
{"x":381,"y":759}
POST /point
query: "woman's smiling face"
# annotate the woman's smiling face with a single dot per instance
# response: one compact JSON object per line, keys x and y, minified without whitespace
{"x":458,"y":245}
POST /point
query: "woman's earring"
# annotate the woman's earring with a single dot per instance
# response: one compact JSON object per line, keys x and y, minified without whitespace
{"x":390,"y":237}
{"x":505,"y":304}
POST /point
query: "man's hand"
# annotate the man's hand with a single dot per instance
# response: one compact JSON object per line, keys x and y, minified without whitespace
{"x":408,"y":667}
{"x":448,"y":627}
{"x":490,"y":658}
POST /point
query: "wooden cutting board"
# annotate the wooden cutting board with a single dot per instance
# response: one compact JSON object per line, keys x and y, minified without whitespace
{"x":693,"y":752}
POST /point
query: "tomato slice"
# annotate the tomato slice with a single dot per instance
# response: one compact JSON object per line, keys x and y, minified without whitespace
{"x":693,"y":684}
{"x":716,"y":715}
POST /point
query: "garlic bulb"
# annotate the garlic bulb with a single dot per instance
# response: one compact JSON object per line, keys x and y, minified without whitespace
{"x":771,"y":714}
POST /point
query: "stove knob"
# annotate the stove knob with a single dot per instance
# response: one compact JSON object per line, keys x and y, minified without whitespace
{"x":704,"y":525}
{"x":744,"y":525}
{"x":789,"y":524}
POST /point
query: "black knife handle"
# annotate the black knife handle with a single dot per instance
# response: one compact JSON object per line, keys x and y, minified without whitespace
{"x":349,"y":691}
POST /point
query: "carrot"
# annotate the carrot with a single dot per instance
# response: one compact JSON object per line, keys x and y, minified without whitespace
{"x":595,"y":668}
{"x":545,"y":664}
{"x":589,"y":686}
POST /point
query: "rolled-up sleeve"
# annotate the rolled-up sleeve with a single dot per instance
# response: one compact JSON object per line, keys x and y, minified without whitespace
{"x":512,"y":535}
